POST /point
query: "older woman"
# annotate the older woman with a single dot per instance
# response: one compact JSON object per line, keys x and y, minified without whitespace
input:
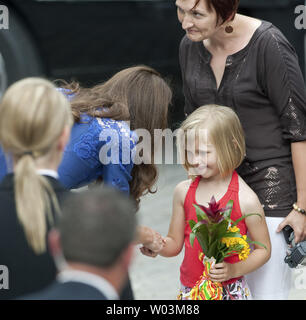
{"x":247,"y":64}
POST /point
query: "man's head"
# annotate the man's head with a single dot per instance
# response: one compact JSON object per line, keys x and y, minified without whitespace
{"x":96,"y":230}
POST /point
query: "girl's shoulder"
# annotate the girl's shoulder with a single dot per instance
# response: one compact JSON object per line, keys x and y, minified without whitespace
{"x":181,"y":190}
{"x":248,"y":199}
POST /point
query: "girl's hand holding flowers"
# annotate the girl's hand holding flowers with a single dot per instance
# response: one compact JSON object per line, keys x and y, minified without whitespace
{"x":221,"y":272}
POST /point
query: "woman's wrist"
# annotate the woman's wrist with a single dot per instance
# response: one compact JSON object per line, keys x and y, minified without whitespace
{"x":299,"y":208}
{"x":145,"y":235}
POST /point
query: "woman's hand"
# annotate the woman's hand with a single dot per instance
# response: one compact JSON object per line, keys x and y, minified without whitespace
{"x":150,"y":239}
{"x":147,"y":252}
{"x":222,"y":272}
{"x":297,"y":221}
{"x":157,"y":242}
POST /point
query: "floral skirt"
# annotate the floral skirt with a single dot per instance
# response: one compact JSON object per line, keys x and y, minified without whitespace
{"x":237,"y":290}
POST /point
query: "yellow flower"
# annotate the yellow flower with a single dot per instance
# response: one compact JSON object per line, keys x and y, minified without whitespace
{"x":233,"y":241}
{"x":244,"y":253}
{"x":234,"y":229}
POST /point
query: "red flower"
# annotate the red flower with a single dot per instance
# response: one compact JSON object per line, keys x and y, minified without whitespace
{"x":213,"y":211}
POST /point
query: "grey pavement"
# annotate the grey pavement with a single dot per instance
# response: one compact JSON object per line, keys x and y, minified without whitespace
{"x":158,"y":278}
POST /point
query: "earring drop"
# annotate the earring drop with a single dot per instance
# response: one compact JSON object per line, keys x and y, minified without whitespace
{"x":229,"y":29}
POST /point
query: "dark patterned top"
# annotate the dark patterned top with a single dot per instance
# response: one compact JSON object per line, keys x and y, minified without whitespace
{"x":263,"y":83}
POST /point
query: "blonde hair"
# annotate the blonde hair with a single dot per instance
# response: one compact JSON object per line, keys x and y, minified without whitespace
{"x":225,"y":133}
{"x":33,"y":116}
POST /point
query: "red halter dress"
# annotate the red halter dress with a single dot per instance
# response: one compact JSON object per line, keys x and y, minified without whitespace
{"x":191,"y":267}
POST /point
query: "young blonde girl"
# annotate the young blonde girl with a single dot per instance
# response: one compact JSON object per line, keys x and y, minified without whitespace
{"x":211,"y":165}
{"x":35,"y":123}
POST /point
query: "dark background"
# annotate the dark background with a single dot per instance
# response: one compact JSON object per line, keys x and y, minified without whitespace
{"x":88,"y":41}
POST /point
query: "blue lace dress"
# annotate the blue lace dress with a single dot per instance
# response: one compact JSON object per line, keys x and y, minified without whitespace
{"x":99,"y":148}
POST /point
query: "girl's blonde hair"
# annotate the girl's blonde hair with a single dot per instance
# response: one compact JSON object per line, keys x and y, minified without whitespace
{"x":33,"y":116}
{"x":224,"y":132}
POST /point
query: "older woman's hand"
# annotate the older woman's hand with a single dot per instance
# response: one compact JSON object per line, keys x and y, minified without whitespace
{"x":297,"y":221}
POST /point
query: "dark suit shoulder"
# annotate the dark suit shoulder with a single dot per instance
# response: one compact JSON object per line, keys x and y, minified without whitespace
{"x":8,"y":183}
{"x":67,"y":291}
{"x":58,"y":188}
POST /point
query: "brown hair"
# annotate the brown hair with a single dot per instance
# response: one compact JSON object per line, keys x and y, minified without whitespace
{"x":137,"y":94}
{"x":224,"y":8}
{"x":33,"y":115}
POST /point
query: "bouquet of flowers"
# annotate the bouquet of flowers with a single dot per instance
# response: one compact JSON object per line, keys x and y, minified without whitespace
{"x":219,"y":238}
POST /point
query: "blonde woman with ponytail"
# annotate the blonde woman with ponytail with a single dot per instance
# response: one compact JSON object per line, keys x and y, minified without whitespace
{"x":35,"y":124}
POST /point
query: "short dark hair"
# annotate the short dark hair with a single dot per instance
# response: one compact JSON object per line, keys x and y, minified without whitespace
{"x":96,"y":226}
{"x":224,"y":8}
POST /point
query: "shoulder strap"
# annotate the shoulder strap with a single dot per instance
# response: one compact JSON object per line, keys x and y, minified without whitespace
{"x":234,"y":184}
{"x":190,"y":196}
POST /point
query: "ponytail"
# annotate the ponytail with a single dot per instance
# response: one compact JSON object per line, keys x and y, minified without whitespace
{"x":33,"y":116}
{"x":30,"y":188}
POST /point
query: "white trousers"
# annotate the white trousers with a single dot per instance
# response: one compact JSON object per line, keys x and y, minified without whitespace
{"x":272,"y":281}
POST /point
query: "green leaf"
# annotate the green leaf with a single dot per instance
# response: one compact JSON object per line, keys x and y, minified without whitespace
{"x":212,"y":250}
{"x":201,"y":215}
{"x":232,"y":235}
{"x":191,"y":224}
{"x":258,"y":243}
{"x":243,"y":217}
{"x":197,"y":226}
{"x":237,"y":247}
{"x":227,"y":213}
{"x":202,"y":235}
{"x":202,"y":243}
{"x":222,"y":248}
{"x":220,"y":229}
{"x":191,"y":238}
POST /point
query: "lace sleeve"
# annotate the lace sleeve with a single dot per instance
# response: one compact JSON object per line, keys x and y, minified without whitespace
{"x":285,"y":86}
{"x":117,"y":153}
{"x":294,"y":122}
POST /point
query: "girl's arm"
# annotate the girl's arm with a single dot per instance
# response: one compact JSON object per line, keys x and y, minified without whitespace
{"x":258,"y":231}
{"x":175,"y":238}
